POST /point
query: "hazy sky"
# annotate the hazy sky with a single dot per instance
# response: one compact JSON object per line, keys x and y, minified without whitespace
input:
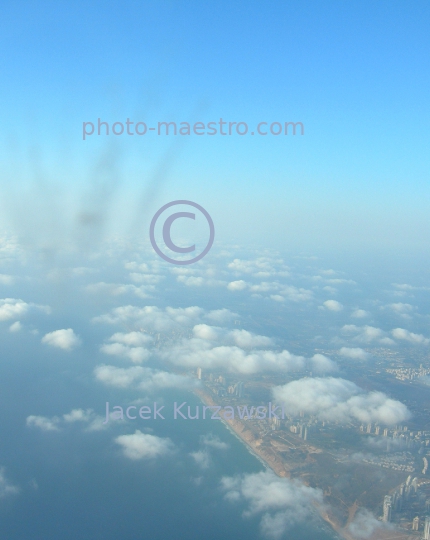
{"x":356,"y":74}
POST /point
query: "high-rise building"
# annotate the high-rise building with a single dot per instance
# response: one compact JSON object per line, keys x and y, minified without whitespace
{"x":387,"y":509}
{"x":199,"y":373}
{"x":427,"y":528}
{"x":377,"y":428}
{"x":386,"y":432}
{"x":239,"y":389}
{"x":416,"y":523}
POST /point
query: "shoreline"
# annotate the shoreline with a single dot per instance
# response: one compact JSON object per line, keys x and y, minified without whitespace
{"x":278,"y":468}
{"x":270,"y":460}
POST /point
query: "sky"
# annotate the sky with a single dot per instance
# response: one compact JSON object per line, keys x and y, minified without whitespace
{"x":355,"y":74}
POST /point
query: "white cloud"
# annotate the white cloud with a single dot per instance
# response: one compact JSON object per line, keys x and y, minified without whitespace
{"x":63,"y":339}
{"x":367,"y":333}
{"x":191,"y":281}
{"x":213,"y":442}
{"x":88,"y":417}
{"x":365,"y":524}
{"x":296,"y":294}
{"x":204,"y":331}
{"x":237,"y":285}
{"x":15,"y":327}
{"x":134,"y":339}
{"x":333,"y":305}
{"x":6,"y":488}
{"x":142,"y":378}
{"x":355,"y":352}
{"x":117,"y":289}
{"x":152,"y":317}
{"x":247,"y":340}
{"x":221,"y":316}
{"x":401,"y":333}
{"x":281,"y":502}
{"x":400,"y":308}
{"x":144,"y":446}
{"x":43,"y":423}
{"x":360,"y":314}
{"x":202,"y":458}
{"x":135,"y":354}
{"x":339,"y":400}
{"x":11,"y":308}
{"x":6,"y":279}
{"x":195,"y":352}
{"x":146,"y":278}
{"x":323,"y":364}
{"x":260,"y":267}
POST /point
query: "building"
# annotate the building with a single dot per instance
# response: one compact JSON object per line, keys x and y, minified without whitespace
{"x":386,"y":432}
{"x":386,"y":516}
{"x":239,"y":388}
{"x":427,"y":528}
{"x":416,"y":523}
{"x":199,"y":373}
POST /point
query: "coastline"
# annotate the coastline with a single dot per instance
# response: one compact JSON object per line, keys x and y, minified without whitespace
{"x":268,"y":459}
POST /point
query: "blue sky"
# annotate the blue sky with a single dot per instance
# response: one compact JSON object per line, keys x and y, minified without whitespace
{"x":356,"y":74}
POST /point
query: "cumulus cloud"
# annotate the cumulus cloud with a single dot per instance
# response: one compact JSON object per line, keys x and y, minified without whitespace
{"x":202,"y":458}
{"x":239,"y":285}
{"x":213,"y":441}
{"x":142,"y":378}
{"x":241,"y":338}
{"x":91,"y":420}
{"x":129,"y":346}
{"x":322,"y":364}
{"x":144,"y":446}
{"x":337,"y":399}
{"x":145,"y":278}
{"x":191,"y":281}
{"x":367,"y":334}
{"x":15,"y":327}
{"x":247,"y":340}
{"x":88,"y":417}
{"x":355,"y":353}
{"x":360,"y":314}
{"x":296,"y":294}
{"x":401,"y":333}
{"x":11,"y":308}
{"x":6,"y":488}
{"x":221,"y":316}
{"x":43,"y":423}
{"x":5,"y":279}
{"x":401,"y":309}
{"x":204,"y":331}
{"x":281,"y":503}
{"x":260,"y":267}
{"x":64,"y":339}
{"x":117,"y":289}
{"x":152,"y":317}
{"x":198,"y":352}
{"x":333,"y":305}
